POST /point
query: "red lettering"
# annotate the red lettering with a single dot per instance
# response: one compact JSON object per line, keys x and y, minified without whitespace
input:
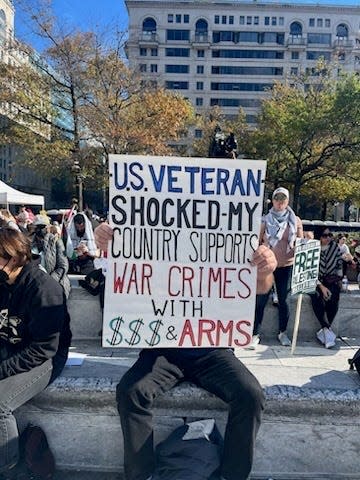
{"x":247,"y":292}
{"x":247,"y":336}
{"x":119,"y":282}
{"x":224,"y":329}
{"x":187,"y":332}
{"x":206,"y":327}
{"x":227,"y":281}
{"x":145,"y":271}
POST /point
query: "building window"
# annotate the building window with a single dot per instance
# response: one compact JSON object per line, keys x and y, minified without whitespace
{"x":281,"y":21}
{"x":154,"y":52}
{"x":149,"y":25}
{"x":170,"y":18}
{"x":199,"y":85}
{"x":176,"y":68}
{"x":143,"y":52}
{"x":248,"y":20}
{"x":224,"y":19}
{"x":231,"y":19}
{"x":327,"y":22}
{"x":319,"y":23}
{"x":217,"y":19}
{"x":172,"y":85}
{"x":153,"y":68}
{"x":320,"y":38}
{"x":198,"y":133}
{"x":256,"y":20}
{"x":294,"y":70}
{"x":295,"y":55}
{"x":342,"y":31}
{"x":273,"y":21}
{"x":177,"y":52}
{"x":311,"y":22}
{"x":143,"y":67}
{"x":178,"y":18}
{"x":182,"y":35}
{"x":201,"y":27}
{"x":200,"y":69}
{"x":296,"y":29}
{"x":341,"y":57}
{"x":199,"y":101}
{"x":186,"y":18}
{"x":242,"y":20}
{"x":201,"y":53}
{"x":267,"y":21}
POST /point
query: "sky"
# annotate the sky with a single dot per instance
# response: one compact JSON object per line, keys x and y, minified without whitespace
{"x":86,"y":14}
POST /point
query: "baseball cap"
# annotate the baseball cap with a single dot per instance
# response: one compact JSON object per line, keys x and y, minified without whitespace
{"x":282,"y":191}
{"x":41,"y":220}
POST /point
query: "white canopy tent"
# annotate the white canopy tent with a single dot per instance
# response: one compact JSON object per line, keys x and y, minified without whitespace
{"x":11,"y":196}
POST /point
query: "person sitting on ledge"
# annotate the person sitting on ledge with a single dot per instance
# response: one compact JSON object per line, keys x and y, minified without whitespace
{"x":217,"y":370}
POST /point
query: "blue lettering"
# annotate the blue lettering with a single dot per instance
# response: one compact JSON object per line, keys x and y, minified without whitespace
{"x":157,"y":181}
{"x":173,"y":179}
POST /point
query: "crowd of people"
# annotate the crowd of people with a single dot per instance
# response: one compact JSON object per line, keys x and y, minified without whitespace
{"x":37,"y":251}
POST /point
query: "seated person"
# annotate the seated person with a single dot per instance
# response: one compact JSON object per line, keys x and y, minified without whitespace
{"x":34,"y":337}
{"x":80,"y":246}
{"x":217,"y":370}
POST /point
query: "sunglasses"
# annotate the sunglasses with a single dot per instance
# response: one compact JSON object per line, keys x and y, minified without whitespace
{"x":325,"y":235}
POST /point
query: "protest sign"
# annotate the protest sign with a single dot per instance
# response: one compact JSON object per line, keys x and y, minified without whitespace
{"x":178,"y":270}
{"x":306,"y":266}
{"x":304,"y":276}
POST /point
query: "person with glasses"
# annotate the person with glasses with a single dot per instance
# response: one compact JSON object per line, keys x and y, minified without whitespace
{"x":279,"y":230}
{"x":34,"y":337}
{"x":325,"y":301}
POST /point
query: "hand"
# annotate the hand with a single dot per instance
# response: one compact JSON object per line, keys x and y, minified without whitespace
{"x":265,"y":261}
{"x":103,"y":233}
{"x":82,"y":249}
{"x":325,"y":292}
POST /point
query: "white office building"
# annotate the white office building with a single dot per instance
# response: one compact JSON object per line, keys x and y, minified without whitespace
{"x":228,"y":53}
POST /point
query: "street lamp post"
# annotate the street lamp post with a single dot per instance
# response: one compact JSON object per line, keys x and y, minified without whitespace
{"x":76,"y":170}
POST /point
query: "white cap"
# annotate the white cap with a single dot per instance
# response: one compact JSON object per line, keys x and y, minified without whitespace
{"x":282,"y":190}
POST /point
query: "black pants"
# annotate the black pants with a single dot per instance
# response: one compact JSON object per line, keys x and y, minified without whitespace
{"x":217,"y":371}
{"x":326,"y":311}
{"x":282,"y":277}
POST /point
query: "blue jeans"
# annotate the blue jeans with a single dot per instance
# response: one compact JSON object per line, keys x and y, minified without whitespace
{"x":14,"y":392}
{"x":218,"y":372}
{"x":282,"y":277}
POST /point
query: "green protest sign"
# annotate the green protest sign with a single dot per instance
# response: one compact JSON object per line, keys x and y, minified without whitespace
{"x":306,"y":266}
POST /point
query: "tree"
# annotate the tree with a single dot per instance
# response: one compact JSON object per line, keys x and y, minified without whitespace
{"x":309,"y":130}
{"x":82,"y":102}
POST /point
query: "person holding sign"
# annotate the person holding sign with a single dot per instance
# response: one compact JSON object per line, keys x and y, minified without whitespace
{"x":325,"y":300}
{"x":217,"y":370}
{"x":279,"y":230}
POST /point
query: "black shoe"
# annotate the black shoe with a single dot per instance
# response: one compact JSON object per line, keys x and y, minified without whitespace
{"x":36,"y":454}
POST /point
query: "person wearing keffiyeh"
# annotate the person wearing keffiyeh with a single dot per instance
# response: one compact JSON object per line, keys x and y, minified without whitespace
{"x":80,"y":245}
{"x":279,"y":230}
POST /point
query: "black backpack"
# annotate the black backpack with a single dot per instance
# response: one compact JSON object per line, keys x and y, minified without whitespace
{"x":355,"y":361}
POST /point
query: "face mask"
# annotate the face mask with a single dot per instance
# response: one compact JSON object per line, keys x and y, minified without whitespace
{"x":4,"y":276}
{"x":41,"y":231}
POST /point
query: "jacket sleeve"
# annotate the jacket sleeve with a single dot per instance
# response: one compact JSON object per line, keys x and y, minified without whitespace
{"x":299,"y":228}
{"x":62,"y":264}
{"x":45,"y":317}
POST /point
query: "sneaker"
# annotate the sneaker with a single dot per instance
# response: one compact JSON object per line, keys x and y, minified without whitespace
{"x":320,"y":335}
{"x":284,"y":339}
{"x":254,"y":342}
{"x":330,"y":338}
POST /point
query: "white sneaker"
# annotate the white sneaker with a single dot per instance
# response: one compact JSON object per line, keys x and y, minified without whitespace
{"x":284,"y":339}
{"x":320,"y":335}
{"x":254,"y":342}
{"x":330,"y":338}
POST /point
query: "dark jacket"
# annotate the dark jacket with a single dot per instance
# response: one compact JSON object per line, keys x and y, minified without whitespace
{"x":34,"y":323}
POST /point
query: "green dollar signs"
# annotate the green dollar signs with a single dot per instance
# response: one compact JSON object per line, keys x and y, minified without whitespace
{"x":155,"y":338}
{"x":115,"y":326}
{"x":135,"y":326}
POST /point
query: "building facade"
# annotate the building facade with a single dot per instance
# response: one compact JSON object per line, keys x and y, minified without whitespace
{"x":229,"y":53}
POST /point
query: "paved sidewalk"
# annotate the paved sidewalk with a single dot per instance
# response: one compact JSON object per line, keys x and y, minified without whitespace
{"x":311,"y":365}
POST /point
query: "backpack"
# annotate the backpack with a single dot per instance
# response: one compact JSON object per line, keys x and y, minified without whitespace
{"x":355,"y":361}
